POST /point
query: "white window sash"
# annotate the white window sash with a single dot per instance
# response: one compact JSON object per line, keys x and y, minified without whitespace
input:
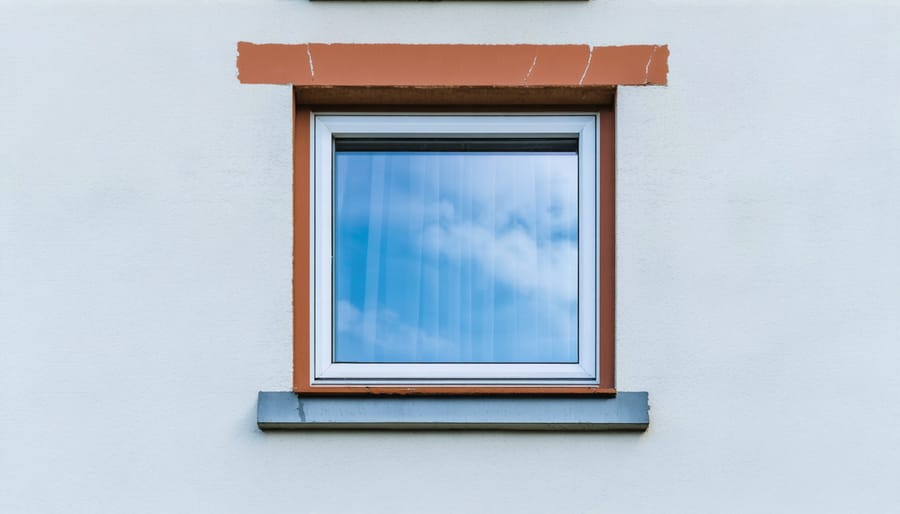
{"x":323,"y":369}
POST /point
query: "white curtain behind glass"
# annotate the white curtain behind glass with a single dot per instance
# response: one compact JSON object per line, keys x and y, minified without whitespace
{"x":456,"y":256}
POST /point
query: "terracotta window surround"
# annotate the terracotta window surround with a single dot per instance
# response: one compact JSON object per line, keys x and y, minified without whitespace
{"x":470,"y":78}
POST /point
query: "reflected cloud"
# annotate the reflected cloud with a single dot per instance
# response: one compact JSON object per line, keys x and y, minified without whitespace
{"x":514,"y":257}
{"x":382,"y":333}
{"x":442,"y":257}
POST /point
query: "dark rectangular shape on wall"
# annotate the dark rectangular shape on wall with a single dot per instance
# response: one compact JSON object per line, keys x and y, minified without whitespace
{"x":488,"y":97}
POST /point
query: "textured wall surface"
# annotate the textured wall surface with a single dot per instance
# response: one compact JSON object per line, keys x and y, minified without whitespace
{"x":145,"y":265}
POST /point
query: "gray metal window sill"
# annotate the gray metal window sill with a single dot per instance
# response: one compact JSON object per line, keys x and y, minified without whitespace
{"x":290,"y":411}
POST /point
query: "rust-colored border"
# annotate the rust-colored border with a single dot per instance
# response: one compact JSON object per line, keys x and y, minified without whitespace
{"x":607,"y":247}
{"x":441,"y":77}
{"x":302,"y":291}
{"x":302,"y":288}
{"x":550,"y":98}
{"x":518,"y":66}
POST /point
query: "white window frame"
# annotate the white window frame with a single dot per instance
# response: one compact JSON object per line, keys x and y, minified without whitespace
{"x":327,"y":127}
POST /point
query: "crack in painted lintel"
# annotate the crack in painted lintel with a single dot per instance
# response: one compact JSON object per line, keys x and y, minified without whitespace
{"x":647,"y":67}
{"x":587,"y":65}
{"x":312,"y":69}
{"x":531,"y":69}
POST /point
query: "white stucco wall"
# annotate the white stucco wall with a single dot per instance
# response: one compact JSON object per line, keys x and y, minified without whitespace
{"x":145,"y":265}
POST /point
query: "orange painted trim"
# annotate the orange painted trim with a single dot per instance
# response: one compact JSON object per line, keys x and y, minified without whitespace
{"x":483,"y":98}
{"x":343,"y":64}
{"x":455,"y":390}
{"x":607,"y":247}
{"x":302,"y":382}
{"x":301,"y":284}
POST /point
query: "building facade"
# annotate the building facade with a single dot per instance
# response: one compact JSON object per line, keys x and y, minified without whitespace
{"x":146,"y":228}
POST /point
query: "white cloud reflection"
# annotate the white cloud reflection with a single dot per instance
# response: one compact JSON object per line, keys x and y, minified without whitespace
{"x":513,"y":257}
{"x":482,"y":251}
{"x":382,"y":332}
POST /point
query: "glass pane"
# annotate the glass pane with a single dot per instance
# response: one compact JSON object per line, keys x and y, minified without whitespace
{"x":455,"y":253}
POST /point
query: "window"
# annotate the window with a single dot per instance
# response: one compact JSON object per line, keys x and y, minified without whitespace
{"x":458,"y":252}
{"x":382,"y":197}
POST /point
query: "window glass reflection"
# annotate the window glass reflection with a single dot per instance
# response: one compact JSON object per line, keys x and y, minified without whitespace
{"x":455,"y":256}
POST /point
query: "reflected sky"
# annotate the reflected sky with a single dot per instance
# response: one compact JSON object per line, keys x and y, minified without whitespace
{"x":455,"y":256}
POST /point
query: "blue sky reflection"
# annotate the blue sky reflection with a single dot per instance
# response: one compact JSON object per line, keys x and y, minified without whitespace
{"x":456,"y":257}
